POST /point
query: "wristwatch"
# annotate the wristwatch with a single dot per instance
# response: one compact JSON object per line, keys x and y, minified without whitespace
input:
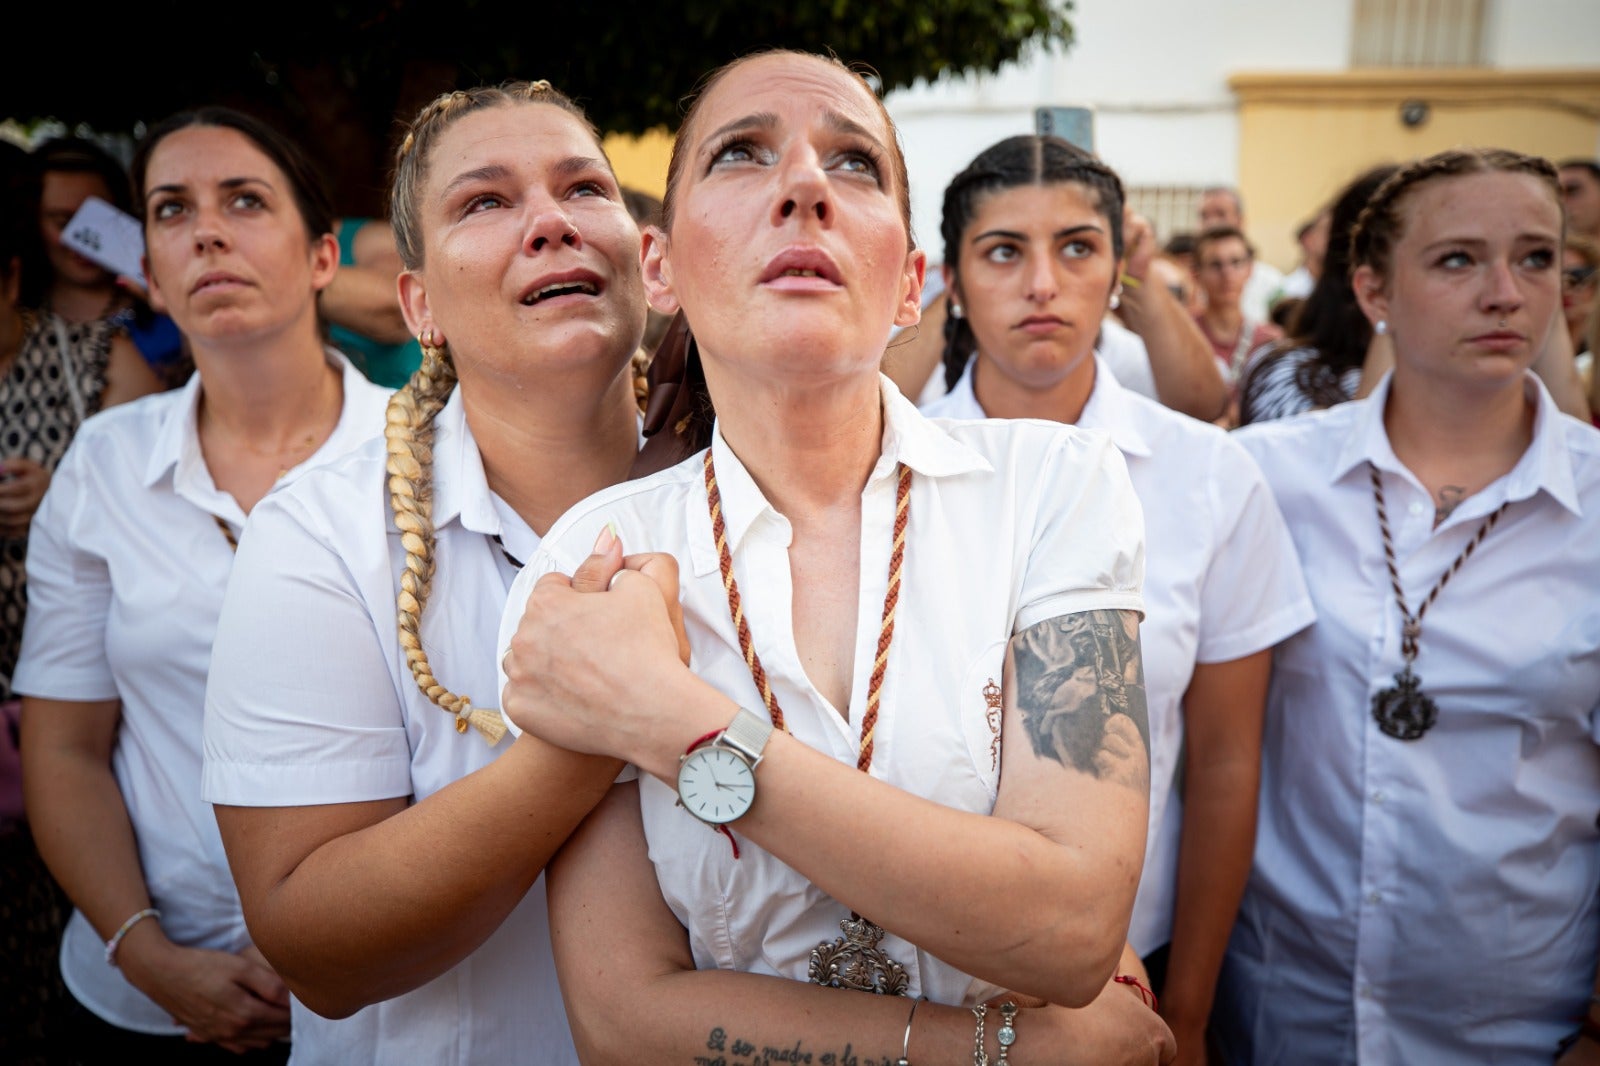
{"x":717,"y":780}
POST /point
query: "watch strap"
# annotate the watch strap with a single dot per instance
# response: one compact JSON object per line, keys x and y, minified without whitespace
{"x":747,"y":734}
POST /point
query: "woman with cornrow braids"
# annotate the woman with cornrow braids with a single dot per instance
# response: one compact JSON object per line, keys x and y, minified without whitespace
{"x":387,"y":841}
{"x":1034,"y":252}
{"x":908,"y":758}
{"x":130,"y":552}
{"x":1426,"y":881}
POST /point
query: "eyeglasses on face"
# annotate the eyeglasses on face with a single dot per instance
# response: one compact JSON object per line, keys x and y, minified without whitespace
{"x":1222,"y":266}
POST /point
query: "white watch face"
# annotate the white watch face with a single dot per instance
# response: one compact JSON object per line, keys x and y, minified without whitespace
{"x":716,"y":785}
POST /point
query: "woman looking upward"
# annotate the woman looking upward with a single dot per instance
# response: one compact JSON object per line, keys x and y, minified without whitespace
{"x":877,"y":605}
{"x":387,"y":843}
{"x":129,"y":555}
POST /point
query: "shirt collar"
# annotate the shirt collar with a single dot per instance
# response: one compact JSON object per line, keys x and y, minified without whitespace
{"x":1546,"y":465}
{"x":460,"y":487}
{"x":1108,"y":408}
{"x":908,"y":437}
{"x":177,"y":444}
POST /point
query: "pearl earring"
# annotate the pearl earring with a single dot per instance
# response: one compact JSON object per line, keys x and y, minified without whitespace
{"x":955,"y":311}
{"x":1381,"y":326}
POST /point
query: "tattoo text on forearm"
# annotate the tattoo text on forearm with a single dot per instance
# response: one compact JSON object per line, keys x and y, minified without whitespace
{"x":1080,"y":690}
{"x":726,"y":1050}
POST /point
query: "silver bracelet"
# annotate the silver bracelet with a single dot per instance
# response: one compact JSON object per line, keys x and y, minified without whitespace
{"x":980,"y":1057}
{"x":1008,"y":1031}
{"x":905,"y":1041}
{"x":116,"y":938}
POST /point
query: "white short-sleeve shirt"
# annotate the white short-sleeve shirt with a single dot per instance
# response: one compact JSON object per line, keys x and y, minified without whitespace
{"x":1435,"y":900}
{"x":1221,"y":582}
{"x":311,"y":701}
{"x":126,"y":568}
{"x":1011,"y":524}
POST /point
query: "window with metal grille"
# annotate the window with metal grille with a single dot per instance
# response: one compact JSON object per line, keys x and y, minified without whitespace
{"x":1417,"y":33}
{"x":1169,"y":209}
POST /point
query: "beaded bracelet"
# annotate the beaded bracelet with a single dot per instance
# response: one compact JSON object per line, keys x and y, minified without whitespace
{"x":122,"y":931}
{"x":1008,"y":1031}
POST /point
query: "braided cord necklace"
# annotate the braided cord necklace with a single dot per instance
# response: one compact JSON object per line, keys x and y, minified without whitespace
{"x":1404,"y":711}
{"x":854,"y":960}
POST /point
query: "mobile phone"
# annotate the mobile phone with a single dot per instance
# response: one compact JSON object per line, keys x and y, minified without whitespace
{"x":107,"y":235}
{"x":1075,"y":125}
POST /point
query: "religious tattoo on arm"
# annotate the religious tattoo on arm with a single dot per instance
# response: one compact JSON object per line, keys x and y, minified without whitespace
{"x":1080,"y":692}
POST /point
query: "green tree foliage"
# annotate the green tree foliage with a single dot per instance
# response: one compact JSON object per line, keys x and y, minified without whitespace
{"x":341,"y":73}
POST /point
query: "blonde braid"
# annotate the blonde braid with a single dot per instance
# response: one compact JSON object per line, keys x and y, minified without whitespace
{"x":408,"y":432}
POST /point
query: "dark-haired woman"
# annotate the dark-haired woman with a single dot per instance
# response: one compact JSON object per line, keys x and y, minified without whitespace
{"x":1033,"y":254}
{"x":130,"y":552}
{"x":1331,"y":354}
{"x":1426,"y":884}
{"x":914,"y":646}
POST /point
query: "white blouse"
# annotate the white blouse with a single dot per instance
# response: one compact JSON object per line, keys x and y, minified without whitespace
{"x":1434,"y":900}
{"x":126,"y":568}
{"x":1221,"y":582}
{"x":311,"y":702}
{"x":1011,"y":524}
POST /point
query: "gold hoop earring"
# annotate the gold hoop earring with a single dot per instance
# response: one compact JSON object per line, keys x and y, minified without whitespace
{"x":432,"y":347}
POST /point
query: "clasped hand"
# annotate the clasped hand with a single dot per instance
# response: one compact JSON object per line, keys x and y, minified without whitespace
{"x":595,"y":651}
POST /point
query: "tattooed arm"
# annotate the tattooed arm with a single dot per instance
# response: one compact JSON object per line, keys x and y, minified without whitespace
{"x":1037,"y":898}
{"x":633,"y":994}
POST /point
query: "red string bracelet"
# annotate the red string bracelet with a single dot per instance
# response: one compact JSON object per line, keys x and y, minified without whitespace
{"x":724,"y":830}
{"x":1147,"y":997}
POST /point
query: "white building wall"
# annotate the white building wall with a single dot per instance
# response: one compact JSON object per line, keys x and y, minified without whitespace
{"x":1155,"y":72}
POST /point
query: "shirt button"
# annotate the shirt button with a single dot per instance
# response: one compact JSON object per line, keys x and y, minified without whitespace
{"x":1366,"y":992}
{"x":1375,"y":897}
{"x":1416,"y":509}
{"x":1377,"y":796}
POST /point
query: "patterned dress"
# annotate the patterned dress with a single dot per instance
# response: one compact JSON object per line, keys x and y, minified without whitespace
{"x":43,"y":399}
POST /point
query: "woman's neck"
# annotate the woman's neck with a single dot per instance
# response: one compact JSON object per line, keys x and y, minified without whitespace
{"x":84,"y":303}
{"x":1003,"y":397}
{"x":545,"y":449}
{"x":1456,"y":441}
{"x":270,"y":396}
{"x":808,"y":449}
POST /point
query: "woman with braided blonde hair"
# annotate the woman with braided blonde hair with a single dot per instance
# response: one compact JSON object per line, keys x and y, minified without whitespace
{"x":910,"y":746}
{"x":388,"y":843}
{"x":1426,"y":879}
{"x":130,"y":552}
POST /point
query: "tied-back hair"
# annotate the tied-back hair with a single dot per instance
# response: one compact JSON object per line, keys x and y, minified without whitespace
{"x":680,"y":416}
{"x":1026,"y":159}
{"x":1330,"y":323}
{"x":1382,"y":222}
{"x":409,"y":423}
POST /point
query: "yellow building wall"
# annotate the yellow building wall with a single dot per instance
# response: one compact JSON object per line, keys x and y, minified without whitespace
{"x":641,"y":162}
{"x":1302,"y":137}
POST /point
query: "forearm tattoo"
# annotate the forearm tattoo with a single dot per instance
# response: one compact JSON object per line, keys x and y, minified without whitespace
{"x":1080,"y":690}
{"x":724,"y":1049}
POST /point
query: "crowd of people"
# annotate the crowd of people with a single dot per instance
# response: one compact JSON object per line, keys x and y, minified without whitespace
{"x":553,"y":624}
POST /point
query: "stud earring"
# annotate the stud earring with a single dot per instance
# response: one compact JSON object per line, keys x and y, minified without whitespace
{"x":1381,"y":326}
{"x":955,"y":310}
{"x":1116,"y":298}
